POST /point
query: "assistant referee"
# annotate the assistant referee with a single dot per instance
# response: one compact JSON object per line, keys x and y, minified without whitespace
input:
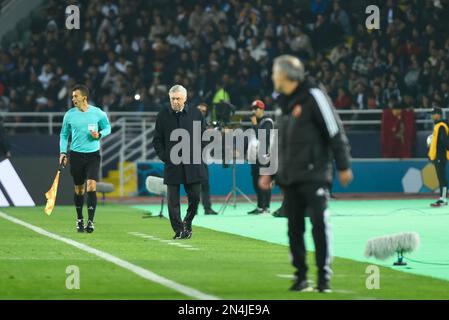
{"x":86,"y":125}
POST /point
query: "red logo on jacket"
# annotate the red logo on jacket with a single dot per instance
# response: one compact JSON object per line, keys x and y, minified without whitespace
{"x":296,"y":111}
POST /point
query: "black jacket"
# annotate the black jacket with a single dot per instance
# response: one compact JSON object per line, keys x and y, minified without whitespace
{"x":264,"y":123}
{"x":308,"y":145}
{"x":166,"y":122}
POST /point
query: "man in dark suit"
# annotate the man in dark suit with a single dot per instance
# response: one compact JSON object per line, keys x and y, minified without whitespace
{"x":184,"y":165}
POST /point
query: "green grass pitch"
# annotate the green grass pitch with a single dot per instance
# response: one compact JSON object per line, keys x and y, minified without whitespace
{"x":225,"y":265}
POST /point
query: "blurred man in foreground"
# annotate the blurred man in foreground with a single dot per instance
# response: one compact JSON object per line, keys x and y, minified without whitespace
{"x":310,"y":135}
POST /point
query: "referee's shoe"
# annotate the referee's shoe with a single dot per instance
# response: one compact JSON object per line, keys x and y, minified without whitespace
{"x":80,"y":225}
{"x":90,"y":227}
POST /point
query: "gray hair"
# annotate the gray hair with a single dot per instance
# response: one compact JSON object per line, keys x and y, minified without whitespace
{"x":177,"y":88}
{"x":291,"y":66}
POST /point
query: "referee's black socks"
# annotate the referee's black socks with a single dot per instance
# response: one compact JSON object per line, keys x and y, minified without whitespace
{"x":79,"y":202}
{"x":91,"y":204}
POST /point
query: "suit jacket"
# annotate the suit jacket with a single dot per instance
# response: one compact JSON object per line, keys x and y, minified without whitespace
{"x":192,"y":121}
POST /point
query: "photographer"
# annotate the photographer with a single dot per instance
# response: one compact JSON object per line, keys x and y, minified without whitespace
{"x":260,"y":122}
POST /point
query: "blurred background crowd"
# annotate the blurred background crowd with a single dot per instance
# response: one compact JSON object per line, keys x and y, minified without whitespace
{"x":129,"y":52}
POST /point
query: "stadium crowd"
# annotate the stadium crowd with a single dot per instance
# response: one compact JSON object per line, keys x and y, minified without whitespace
{"x":223,"y":50}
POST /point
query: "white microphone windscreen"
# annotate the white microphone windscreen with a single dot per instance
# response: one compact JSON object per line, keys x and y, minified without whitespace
{"x":156,"y":185}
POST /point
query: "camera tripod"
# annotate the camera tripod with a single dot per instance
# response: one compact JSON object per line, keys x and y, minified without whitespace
{"x":233,"y":193}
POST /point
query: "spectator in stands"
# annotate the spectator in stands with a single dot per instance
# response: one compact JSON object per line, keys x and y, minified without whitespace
{"x":124,"y":48}
{"x":340,"y":18}
{"x":319,"y":7}
{"x":361,"y":61}
{"x":375,"y":98}
{"x":301,"y":45}
{"x":361,"y":98}
{"x":343,"y":99}
{"x":392,"y":91}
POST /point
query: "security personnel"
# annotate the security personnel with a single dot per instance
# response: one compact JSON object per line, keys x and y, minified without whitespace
{"x":438,"y":154}
{"x":260,"y":122}
{"x":310,"y":135}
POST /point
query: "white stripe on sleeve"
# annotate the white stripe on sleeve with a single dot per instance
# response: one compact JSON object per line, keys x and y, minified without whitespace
{"x":326,"y":111}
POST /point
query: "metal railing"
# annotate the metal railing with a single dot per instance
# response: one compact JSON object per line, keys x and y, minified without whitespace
{"x":129,"y":142}
{"x":134,"y":150}
{"x":132,"y":132}
{"x":53,"y":120}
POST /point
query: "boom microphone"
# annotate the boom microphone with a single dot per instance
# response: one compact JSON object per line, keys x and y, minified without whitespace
{"x":386,"y":246}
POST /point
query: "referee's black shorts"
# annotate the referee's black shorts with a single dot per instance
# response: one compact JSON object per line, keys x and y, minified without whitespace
{"x":84,"y":166}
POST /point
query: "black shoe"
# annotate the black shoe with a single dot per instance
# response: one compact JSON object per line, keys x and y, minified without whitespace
{"x":186,"y":234}
{"x":90,"y":227}
{"x":439,"y":203}
{"x":301,"y":286}
{"x":279,"y":213}
{"x":256,"y":211}
{"x":187,"y":226}
{"x":210,"y":211}
{"x":178,"y":235}
{"x":323,"y":288}
{"x":80,"y":225}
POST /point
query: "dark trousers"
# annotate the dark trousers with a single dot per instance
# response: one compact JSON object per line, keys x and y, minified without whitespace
{"x":440,"y":167}
{"x":205,"y":192}
{"x":263,"y":196}
{"x":174,"y":206}
{"x":313,"y":198}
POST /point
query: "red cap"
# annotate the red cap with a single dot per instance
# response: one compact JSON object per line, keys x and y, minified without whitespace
{"x":259,"y":104}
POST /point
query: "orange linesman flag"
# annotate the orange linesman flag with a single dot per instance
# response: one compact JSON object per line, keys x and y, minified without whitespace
{"x":51,"y":195}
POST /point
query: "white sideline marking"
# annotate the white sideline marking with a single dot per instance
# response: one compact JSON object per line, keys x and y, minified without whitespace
{"x":143,"y":273}
{"x":287,"y":276}
{"x":184,"y":246}
{"x":136,"y":233}
{"x":169,"y":242}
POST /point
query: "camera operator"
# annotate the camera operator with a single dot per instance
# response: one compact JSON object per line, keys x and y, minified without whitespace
{"x":260,"y":121}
